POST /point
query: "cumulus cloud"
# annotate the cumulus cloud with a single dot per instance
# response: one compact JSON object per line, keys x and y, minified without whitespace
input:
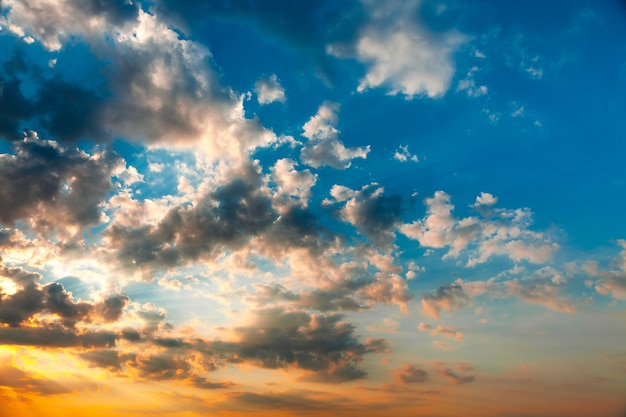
{"x":53,"y":186}
{"x":53,"y":25}
{"x":292,"y":185}
{"x":30,"y":299}
{"x":353,"y":288}
{"x":322,"y":344}
{"x":162,"y":89}
{"x":227,"y":216}
{"x":370,"y":211}
{"x":495,"y":232}
{"x":401,"y":54}
{"x":323,"y":147}
{"x":269,"y":90}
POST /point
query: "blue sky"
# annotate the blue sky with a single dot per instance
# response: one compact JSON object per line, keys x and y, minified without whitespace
{"x":355,"y":207}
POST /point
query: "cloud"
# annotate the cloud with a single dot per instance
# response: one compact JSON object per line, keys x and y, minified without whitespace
{"x":321,"y":344}
{"x":402,"y":154}
{"x":373,"y":214}
{"x":442,"y":330}
{"x":292,"y":186}
{"x":31,"y":299}
{"x":14,"y":106}
{"x":537,"y":288}
{"x":448,"y":297}
{"x":53,"y":26}
{"x":269,"y":90}
{"x":411,"y":374}
{"x":540,"y":293}
{"x":53,"y":187}
{"x":401,"y":54}
{"x":468,"y":84}
{"x":289,"y":400}
{"x":55,"y":336}
{"x":611,"y":282}
{"x":323,"y":147}
{"x":228,"y":216}
{"x":454,"y":377}
{"x":157,"y":87}
{"x":495,"y":232}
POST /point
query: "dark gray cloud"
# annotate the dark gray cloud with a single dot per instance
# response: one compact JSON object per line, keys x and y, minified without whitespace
{"x":32,"y":298}
{"x":53,"y":186}
{"x":70,"y":112}
{"x":108,"y":359}
{"x":296,"y":228}
{"x":322,"y":344}
{"x":374,"y":214}
{"x":228,"y":216}
{"x":14,"y":107}
{"x":114,"y":11}
{"x":56,"y":336}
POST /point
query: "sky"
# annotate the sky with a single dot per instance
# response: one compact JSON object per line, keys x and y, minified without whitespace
{"x":310,"y":208}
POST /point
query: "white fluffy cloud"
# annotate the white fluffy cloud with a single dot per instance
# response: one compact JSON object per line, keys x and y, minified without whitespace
{"x":402,"y":55}
{"x":324,"y":146}
{"x":495,"y":232}
{"x":269,"y":90}
{"x":292,"y":185}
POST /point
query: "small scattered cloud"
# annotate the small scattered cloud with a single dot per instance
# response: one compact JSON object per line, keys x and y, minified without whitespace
{"x":402,"y":154}
{"x":442,"y":330}
{"x":469,"y":85}
{"x":411,"y":374}
{"x":269,"y":90}
{"x":457,"y":378}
